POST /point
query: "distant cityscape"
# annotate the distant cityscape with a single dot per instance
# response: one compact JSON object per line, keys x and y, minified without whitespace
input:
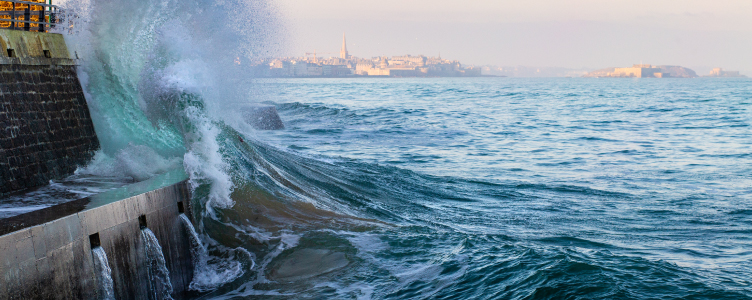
{"x":346,"y":65}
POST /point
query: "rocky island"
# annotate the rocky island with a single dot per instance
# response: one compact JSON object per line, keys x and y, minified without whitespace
{"x":644,"y":71}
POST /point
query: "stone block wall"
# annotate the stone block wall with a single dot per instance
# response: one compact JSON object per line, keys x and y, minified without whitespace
{"x":46,"y":130}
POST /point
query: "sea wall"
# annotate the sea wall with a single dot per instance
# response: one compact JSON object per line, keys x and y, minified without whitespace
{"x":46,"y":130}
{"x":54,"y":260}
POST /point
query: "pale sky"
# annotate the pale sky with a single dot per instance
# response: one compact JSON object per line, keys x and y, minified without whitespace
{"x":545,"y":33}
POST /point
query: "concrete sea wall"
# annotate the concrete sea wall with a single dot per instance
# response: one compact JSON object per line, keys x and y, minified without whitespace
{"x":54,"y":260}
{"x":46,"y":130}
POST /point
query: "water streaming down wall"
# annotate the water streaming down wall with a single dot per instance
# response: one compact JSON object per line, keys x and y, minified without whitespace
{"x":104,"y":274}
{"x":197,"y":248}
{"x":159,"y":275}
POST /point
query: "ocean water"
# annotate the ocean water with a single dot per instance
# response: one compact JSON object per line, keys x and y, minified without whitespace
{"x":512,"y":188}
{"x":426,"y":188}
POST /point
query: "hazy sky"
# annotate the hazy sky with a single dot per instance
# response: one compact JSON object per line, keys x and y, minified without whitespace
{"x":556,"y":33}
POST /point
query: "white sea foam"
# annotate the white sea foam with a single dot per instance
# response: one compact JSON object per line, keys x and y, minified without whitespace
{"x":136,"y":161}
{"x":205,"y":163}
{"x":287,"y":241}
{"x":211,"y":272}
{"x":365,"y":242}
{"x":24,"y":209}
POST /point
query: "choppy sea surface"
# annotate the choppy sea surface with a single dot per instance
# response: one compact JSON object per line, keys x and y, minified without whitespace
{"x":498,"y":188}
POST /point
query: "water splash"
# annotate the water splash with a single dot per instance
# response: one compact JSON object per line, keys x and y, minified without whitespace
{"x":163,"y":83}
{"x":159,"y":276}
{"x":210,"y":272}
{"x":163,"y":78}
{"x":104,"y":274}
{"x":135,"y":163}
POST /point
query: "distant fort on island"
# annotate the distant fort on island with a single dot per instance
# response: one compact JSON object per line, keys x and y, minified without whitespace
{"x":644,"y":71}
{"x":347,"y":65}
{"x":718,"y":72}
{"x":650,"y":71}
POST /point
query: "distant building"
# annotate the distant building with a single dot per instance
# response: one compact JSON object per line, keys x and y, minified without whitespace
{"x":343,"y":52}
{"x":315,"y":70}
{"x":362,"y":68}
{"x":639,"y":71}
{"x":300,"y":68}
{"x":336,"y":70}
{"x":644,"y":71}
{"x":718,"y":72}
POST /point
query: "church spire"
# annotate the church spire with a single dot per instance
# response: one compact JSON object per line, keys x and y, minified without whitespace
{"x":343,"y":53}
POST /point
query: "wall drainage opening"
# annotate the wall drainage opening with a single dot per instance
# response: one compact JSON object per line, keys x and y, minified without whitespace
{"x":181,"y":209}
{"x":94,"y":240}
{"x":11,"y":52}
{"x":47,"y":53}
{"x":142,"y":221}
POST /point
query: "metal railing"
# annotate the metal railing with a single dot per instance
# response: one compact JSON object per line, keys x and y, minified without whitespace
{"x":33,"y":15}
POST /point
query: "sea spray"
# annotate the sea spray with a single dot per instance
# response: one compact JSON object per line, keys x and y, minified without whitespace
{"x":138,"y":71}
{"x":159,"y":276}
{"x":205,"y":163}
{"x":135,"y":163}
{"x":104,"y":274}
{"x":168,"y":78}
{"x":211,"y":272}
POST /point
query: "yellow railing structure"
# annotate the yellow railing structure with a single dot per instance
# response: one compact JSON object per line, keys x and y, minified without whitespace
{"x":30,"y":15}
